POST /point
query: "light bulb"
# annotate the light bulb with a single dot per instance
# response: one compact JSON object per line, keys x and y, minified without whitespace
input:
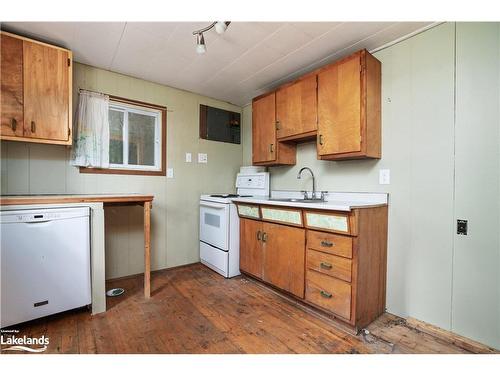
{"x":220,"y":27}
{"x":201,"y":48}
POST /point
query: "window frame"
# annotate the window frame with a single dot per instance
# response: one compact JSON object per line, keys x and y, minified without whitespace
{"x":136,"y":106}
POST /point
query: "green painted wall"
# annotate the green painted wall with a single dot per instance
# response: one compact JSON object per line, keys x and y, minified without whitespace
{"x":445,"y":164}
{"x":31,"y":169}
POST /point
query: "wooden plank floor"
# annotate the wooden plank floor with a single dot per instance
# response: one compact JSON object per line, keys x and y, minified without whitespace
{"x":194,"y":310}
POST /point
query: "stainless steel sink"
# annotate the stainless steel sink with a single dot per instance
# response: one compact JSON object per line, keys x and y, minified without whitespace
{"x":297,"y":200}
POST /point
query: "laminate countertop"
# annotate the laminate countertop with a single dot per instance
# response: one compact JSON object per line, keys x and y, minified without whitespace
{"x":133,"y":198}
{"x":334,"y":201}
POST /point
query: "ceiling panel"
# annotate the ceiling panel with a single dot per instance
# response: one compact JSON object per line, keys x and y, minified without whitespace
{"x":249,"y":58}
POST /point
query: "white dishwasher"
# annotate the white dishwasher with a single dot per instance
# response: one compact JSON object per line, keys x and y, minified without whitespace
{"x":45,"y":262}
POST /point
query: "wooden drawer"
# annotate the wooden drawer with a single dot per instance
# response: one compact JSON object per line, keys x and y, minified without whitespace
{"x":330,"y":265}
{"x":330,"y":221}
{"x":246,"y":210}
{"x":329,"y":293}
{"x":330,"y":243}
{"x":284,"y":215}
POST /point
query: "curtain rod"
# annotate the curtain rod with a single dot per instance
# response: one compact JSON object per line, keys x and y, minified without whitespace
{"x":126,"y":100}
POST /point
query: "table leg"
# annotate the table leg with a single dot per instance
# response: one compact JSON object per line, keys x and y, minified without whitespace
{"x":147,"y":249}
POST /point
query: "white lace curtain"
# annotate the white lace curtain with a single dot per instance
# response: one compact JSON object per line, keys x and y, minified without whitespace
{"x":91,"y":146}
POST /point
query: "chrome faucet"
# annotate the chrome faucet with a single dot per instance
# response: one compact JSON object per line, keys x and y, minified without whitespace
{"x":314,"y":183}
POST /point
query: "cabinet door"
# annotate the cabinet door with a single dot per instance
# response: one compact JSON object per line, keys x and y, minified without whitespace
{"x":251,"y":247}
{"x":264,"y":129}
{"x":12,"y":86}
{"x":339,"y":107}
{"x":284,"y":257}
{"x":46,"y":92}
{"x":296,"y":108}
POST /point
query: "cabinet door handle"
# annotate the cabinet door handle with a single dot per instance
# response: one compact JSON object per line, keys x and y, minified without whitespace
{"x":13,"y":124}
{"x":264,"y":237}
{"x":33,"y":126}
{"x":259,"y":235}
{"x":326,"y":243}
{"x":271,"y":147}
{"x":326,"y":266}
{"x":278,"y":125}
{"x":325,"y":294}
{"x":321,"y":139}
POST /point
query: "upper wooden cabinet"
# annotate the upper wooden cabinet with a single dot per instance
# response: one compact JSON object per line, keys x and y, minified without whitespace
{"x":265,"y":148}
{"x":296,"y":109}
{"x":349,"y":108}
{"x":339,"y":105}
{"x":36,"y":81}
{"x":12,"y":113}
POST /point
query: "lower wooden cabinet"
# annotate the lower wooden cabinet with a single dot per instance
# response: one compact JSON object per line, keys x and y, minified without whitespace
{"x":284,"y":257}
{"x":265,"y":255}
{"x":329,"y":293}
{"x":251,"y":251}
{"x":343,"y":275}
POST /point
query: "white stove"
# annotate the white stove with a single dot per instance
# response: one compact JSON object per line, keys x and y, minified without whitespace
{"x":219,"y":223}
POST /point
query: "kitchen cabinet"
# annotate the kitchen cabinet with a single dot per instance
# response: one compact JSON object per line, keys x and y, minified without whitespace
{"x":36,"y":85}
{"x":349,"y":109}
{"x":251,"y":251}
{"x":284,"y":257}
{"x":12,"y":86}
{"x":265,"y":147}
{"x":334,"y":261}
{"x":338,"y":105}
{"x":296,"y":110}
{"x":264,"y":254}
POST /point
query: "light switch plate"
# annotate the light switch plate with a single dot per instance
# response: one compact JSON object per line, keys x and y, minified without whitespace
{"x":188,"y":157}
{"x":170,"y":172}
{"x":384,"y":177}
{"x":202,"y":158}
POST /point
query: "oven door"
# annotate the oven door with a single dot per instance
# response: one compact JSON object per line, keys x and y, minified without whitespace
{"x":214,"y":224}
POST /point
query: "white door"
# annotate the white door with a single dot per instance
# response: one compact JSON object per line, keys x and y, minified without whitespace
{"x":214,"y":224}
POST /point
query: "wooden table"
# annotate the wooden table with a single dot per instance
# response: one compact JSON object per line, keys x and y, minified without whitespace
{"x":107,"y":200}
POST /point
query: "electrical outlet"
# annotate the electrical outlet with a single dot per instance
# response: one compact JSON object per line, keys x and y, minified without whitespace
{"x":462,"y":227}
{"x":188,"y":157}
{"x":202,"y":158}
{"x":170,"y":172}
{"x":384,"y":177}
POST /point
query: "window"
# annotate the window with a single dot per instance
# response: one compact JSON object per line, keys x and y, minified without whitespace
{"x":136,"y":138}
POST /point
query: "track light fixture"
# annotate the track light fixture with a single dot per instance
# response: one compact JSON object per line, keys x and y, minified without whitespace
{"x":220,"y":28}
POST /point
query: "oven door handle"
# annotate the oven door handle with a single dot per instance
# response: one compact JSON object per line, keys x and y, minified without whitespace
{"x":213,"y":205}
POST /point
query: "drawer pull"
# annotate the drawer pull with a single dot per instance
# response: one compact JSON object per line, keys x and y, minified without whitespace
{"x":326,"y":266}
{"x":13,"y":124}
{"x":325,"y":294}
{"x":326,"y":243}
{"x":264,"y":237}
